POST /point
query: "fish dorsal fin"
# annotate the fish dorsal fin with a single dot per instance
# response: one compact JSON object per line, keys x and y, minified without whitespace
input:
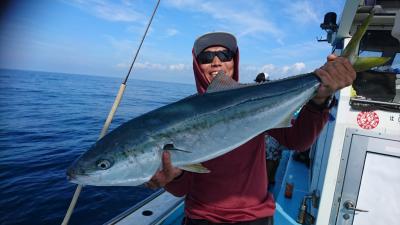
{"x":222,"y":82}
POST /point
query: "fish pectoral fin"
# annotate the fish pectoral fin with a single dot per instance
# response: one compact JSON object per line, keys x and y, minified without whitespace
{"x":365,"y":63}
{"x":171,"y":147}
{"x":195,"y":168}
{"x":286,"y":122}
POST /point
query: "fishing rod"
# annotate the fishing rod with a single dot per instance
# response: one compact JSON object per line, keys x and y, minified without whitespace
{"x":110,"y":116}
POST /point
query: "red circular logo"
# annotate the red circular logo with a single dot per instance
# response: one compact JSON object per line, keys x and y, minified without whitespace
{"x":367,"y":120}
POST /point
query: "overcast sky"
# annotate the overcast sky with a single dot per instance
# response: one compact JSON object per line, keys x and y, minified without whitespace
{"x":100,"y":37}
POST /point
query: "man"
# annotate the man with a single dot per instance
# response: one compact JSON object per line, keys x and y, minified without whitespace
{"x":235,"y":191}
{"x":260,"y":78}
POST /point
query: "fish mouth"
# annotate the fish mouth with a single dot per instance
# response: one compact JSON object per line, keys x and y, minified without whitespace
{"x":74,"y":173}
{"x":71,"y":174}
{"x":74,"y":176}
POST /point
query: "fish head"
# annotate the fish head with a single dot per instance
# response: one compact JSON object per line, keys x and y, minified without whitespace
{"x":91,"y":167}
{"x":115,"y":164}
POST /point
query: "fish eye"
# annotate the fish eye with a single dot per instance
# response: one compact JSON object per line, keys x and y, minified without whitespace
{"x":103,"y":164}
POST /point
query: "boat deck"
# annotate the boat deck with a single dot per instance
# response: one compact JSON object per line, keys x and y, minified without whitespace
{"x":164,"y":208}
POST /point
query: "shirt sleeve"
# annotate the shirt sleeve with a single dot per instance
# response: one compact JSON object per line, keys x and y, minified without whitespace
{"x":180,"y":186}
{"x":305,"y":130}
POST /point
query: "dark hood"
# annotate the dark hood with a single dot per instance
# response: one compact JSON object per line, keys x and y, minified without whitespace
{"x":200,"y":78}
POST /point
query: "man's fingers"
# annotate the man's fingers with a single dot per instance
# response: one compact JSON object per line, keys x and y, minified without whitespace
{"x":324,"y":75}
{"x":335,"y":74}
{"x":331,"y":57}
{"x":166,"y":161}
{"x":163,"y":176}
{"x":325,"y":89}
{"x":346,"y":73}
{"x":151,"y":185}
{"x":348,"y":66}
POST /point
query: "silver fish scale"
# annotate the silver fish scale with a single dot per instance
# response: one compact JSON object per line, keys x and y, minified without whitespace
{"x":211,"y":135}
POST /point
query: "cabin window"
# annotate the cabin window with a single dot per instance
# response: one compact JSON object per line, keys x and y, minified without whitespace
{"x":370,"y":54}
{"x":396,"y":63}
{"x":378,"y":88}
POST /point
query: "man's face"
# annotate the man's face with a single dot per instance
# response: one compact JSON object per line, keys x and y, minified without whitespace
{"x":211,"y":69}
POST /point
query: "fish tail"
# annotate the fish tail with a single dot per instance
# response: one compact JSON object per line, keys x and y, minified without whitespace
{"x":351,"y":50}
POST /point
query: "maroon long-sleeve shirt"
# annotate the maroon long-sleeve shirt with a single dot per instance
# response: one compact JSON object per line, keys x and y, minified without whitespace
{"x":236,"y":188}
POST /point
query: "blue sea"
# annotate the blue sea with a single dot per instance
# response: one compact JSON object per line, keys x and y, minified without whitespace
{"x":46,"y":121}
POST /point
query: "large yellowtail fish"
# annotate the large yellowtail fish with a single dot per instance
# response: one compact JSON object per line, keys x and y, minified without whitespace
{"x":200,"y":127}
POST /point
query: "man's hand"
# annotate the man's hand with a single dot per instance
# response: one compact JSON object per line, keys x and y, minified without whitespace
{"x":336,"y":74}
{"x":165,"y":175}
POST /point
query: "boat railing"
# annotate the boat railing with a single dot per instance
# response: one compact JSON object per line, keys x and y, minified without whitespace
{"x":155,"y":209}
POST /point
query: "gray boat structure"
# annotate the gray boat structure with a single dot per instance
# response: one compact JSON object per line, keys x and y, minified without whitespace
{"x":353,"y":177}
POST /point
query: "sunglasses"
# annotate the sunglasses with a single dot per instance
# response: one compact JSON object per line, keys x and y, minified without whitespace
{"x":208,"y":57}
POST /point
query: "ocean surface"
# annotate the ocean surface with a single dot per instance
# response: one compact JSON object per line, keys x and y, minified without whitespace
{"x":46,"y":121}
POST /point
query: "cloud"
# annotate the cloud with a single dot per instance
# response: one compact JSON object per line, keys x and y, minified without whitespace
{"x":178,"y":67}
{"x":298,"y":67}
{"x":309,"y":49}
{"x":302,"y":12}
{"x":171,"y":32}
{"x":267,"y":68}
{"x":156,"y":66}
{"x":108,"y":10}
{"x":150,"y":66}
{"x":245,"y":17}
{"x":120,"y":49}
{"x":287,"y":70}
{"x":273,"y":71}
{"x":119,"y":44}
{"x":122,"y":65}
{"x":309,"y":56}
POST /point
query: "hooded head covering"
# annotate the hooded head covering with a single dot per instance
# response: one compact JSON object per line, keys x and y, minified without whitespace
{"x":226,"y":40}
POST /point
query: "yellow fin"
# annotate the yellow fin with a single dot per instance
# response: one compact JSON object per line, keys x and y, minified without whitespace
{"x":365,"y":63}
{"x":195,"y":168}
{"x":352,"y":47}
{"x":353,"y":92}
{"x":351,"y":50}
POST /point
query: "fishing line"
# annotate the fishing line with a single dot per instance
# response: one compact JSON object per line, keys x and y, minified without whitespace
{"x":110,"y":116}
